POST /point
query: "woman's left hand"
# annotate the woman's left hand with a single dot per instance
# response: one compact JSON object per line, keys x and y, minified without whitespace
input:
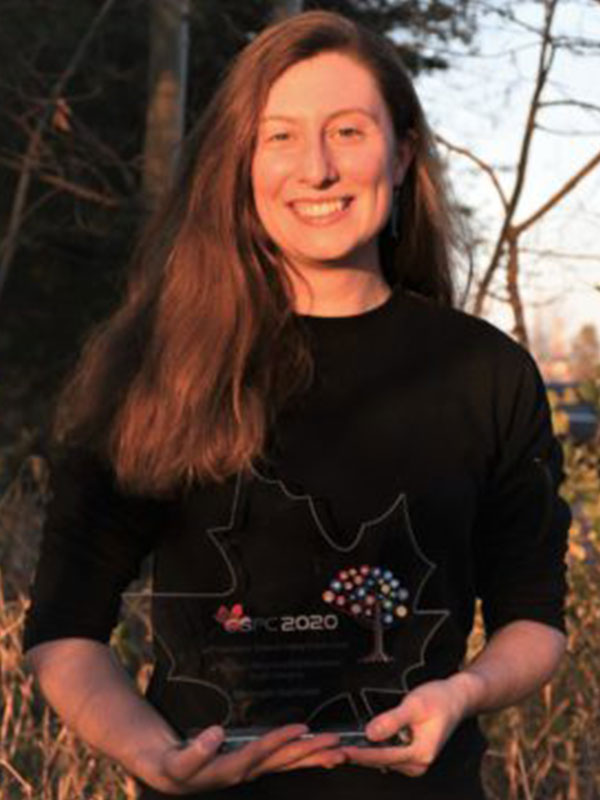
{"x":432,"y":711}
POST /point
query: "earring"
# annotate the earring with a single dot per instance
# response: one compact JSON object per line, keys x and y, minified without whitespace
{"x":396,"y":215}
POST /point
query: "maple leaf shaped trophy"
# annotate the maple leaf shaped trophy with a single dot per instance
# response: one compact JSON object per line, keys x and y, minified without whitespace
{"x":251,"y":654}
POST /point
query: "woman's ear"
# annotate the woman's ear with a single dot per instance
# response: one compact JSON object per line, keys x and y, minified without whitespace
{"x":405,"y":152}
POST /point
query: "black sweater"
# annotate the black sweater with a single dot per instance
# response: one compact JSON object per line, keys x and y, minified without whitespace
{"x":419,"y":469}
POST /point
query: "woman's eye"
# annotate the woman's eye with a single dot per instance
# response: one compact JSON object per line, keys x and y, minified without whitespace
{"x":279,"y":136}
{"x":347,"y":132}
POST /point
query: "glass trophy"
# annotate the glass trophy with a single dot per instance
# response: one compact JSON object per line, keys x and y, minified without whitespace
{"x":284,"y":621}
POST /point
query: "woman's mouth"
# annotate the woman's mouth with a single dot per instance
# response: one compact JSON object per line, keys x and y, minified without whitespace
{"x":320,"y":212}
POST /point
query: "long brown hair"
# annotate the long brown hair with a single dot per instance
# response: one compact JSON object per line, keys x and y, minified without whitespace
{"x":185,"y":379}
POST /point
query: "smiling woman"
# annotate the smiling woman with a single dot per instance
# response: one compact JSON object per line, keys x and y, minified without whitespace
{"x":323,"y":174}
{"x":326,"y":461}
{"x":216,"y":278}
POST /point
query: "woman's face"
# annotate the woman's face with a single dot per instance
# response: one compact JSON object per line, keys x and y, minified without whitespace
{"x":326,"y":162}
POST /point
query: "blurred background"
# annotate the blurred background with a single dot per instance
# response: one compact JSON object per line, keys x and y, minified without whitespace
{"x":95,"y":98}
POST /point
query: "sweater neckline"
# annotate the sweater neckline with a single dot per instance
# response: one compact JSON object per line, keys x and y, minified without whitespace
{"x":351,"y":320}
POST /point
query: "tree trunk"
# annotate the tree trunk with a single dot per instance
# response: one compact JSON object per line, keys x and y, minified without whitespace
{"x":378,"y":653}
{"x":282,"y":9}
{"x":512,"y":282}
{"x":169,"y":43}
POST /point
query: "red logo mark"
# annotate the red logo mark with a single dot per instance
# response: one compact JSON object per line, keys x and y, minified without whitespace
{"x":232,"y":619}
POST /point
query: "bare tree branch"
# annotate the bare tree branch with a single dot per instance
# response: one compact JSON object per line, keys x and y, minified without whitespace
{"x":31,"y":154}
{"x":548,"y":253}
{"x":578,"y":45}
{"x":512,"y":286}
{"x":507,"y":13}
{"x":577,"y":103}
{"x":559,"y":195}
{"x":487,"y":168}
{"x":65,"y":185}
{"x":569,"y":134}
{"x":544,"y":65}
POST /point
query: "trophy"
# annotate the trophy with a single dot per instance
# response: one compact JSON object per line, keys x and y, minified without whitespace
{"x":289,"y":622}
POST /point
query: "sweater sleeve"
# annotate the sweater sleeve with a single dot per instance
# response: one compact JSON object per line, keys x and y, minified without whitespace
{"x":522,"y":527}
{"x":94,"y":540}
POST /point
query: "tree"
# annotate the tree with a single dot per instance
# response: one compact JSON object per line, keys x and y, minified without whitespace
{"x":374,"y":598}
{"x":507,"y":249}
{"x":165,"y":115}
{"x":585,"y":353}
{"x":54,"y":108}
{"x":74,"y":224}
{"x":286,"y":8}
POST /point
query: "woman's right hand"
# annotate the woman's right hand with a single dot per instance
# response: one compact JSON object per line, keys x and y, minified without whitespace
{"x":92,"y":693}
{"x":196,"y":765}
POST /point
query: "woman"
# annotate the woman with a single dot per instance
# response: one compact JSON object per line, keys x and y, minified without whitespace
{"x":287,"y":412}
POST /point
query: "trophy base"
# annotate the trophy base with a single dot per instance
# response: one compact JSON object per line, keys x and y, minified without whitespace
{"x":238,"y":737}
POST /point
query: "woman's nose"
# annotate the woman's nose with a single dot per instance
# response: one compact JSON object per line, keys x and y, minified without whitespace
{"x":317,"y":165}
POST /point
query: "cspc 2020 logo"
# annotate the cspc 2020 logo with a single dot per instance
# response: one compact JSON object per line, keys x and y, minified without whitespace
{"x":235,"y":620}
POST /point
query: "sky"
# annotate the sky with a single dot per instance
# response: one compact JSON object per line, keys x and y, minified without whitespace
{"x":481,"y":103}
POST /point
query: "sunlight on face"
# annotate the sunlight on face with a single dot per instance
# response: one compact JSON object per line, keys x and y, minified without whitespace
{"x":326,"y":162}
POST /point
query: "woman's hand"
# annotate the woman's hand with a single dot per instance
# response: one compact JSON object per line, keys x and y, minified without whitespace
{"x":197,"y":766}
{"x":518,"y":659}
{"x":97,"y":699}
{"x":432,"y":711}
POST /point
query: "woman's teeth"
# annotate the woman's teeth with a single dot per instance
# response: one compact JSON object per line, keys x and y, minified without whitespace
{"x":324,"y":209}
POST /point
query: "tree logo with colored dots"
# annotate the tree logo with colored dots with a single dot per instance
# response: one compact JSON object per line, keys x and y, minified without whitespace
{"x":373,"y":597}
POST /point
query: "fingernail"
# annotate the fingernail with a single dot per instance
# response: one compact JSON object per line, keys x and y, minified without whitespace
{"x":405,"y":735}
{"x":212,"y":735}
{"x":378,"y":731}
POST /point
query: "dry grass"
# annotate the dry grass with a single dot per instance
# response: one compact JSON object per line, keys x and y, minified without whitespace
{"x":547,"y":749}
{"x":40,"y":758}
